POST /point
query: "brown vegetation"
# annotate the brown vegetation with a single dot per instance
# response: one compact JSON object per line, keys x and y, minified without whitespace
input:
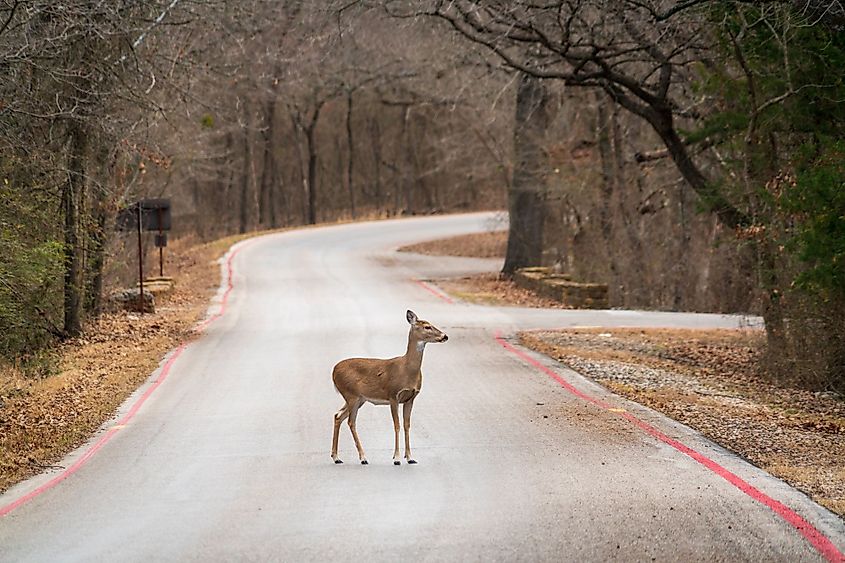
{"x":478,"y":245}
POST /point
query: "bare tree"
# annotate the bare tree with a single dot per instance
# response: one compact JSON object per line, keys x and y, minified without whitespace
{"x":639,"y":52}
{"x":526,"y":198}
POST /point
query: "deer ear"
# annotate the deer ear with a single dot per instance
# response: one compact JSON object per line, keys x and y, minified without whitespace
{"x":411,"y":316}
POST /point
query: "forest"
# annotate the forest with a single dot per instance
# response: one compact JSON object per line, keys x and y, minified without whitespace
{"x":690,"y":153}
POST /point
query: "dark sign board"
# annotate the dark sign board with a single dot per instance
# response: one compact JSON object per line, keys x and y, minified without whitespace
{"x":155,"y":216}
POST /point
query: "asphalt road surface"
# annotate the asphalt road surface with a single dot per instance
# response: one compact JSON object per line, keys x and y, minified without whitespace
{"x":228,"y":457}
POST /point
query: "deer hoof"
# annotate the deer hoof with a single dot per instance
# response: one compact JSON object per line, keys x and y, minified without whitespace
{"x":397,"y":462}
{"x":364,"y":462}
{"x":338,"y":461}
{"x":412,"y":461}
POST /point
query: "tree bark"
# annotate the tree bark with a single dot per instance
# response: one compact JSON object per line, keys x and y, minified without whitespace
{"x":227,"y":196}
{"x":303,"y":175}
{"x":375,"y":134}
{"x":266,"y":207}
{"x":608,"y":183}
{"x":526,"y":197}
{"x":407,"y":174}
{"x":312,"y":175}
{"x":246,"y":174}
{"x":351,"y":160}
{"x":96,"y":263}
{"x":310,"y":135}
{"x":773,"y":310}
{"x":72,"y":194}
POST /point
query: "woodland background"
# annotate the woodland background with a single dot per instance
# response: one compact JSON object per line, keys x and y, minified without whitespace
{"x":688,"y":153}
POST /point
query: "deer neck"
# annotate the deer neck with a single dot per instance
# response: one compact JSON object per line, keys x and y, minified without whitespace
{"x":414,"y":354}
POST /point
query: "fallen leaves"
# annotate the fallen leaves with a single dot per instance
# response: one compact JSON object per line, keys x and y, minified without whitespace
{"x":490,"y":289}
{"x":478,"y":245}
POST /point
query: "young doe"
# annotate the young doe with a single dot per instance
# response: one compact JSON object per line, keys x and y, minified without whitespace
{"x":384,"y":382}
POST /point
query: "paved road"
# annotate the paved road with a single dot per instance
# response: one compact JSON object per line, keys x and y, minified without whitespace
{"x":229,"y":458}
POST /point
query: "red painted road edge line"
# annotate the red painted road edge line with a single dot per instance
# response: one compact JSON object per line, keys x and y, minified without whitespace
{"x":165,"y":371}
{"x":818,"y":540}
{"x":434,"y":292}
{"x":229,"y":286}
{"x":89,"y":453}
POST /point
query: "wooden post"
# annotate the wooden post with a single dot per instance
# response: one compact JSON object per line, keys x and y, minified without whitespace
{"x":141,"y":306}
{"x":161,"y":246}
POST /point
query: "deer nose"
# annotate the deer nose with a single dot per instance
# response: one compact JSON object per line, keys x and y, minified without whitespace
{"x":444,"y":339}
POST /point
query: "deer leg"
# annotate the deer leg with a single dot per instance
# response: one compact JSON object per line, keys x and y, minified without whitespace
{"x":406,"y":415}
{"x":353,"y":415}
{"x":394,"y":412}
{"x":339,"y":417}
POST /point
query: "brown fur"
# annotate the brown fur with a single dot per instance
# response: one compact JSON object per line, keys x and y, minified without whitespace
{"x":384,"y":382}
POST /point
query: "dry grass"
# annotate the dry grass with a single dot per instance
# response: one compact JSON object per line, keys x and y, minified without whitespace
{"x":479,"y":245}
{"x":490,"y":289}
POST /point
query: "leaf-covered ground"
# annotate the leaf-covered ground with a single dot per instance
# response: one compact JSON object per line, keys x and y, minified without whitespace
{"x":477,"y":245}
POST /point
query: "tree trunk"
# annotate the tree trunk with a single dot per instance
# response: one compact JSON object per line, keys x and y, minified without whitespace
{"x":351,"y":160}
{"x":246,"y":175}
{"x":420,"y":189}
{"x":266,"y":207}
{"x":96,"y":264}
{"x":310,"y":135}
{"x":72,"y":194}
{"x":608,"y":181}
{"x":773,"y":314}
{"x":227,"y":200}
{"x":303,"y":176}
{"x":407,"y":175}
{"x":312,"y":175}
{"x":375,"y":133}
{"x":759,"y":167}
{"x":526,"y":198}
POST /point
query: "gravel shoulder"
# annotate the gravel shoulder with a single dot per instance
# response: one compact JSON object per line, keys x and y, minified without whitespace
{"x":709,"y":380}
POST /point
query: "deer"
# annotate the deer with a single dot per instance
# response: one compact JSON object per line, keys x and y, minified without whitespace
{"x":391,"y":382}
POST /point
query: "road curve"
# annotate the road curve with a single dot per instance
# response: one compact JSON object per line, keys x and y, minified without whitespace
{"x":227,"y":457}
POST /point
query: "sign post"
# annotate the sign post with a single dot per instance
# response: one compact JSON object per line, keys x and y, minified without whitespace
{"x":146,"y":215}
{"x":161,"y":242}
{"x":141,"y":306}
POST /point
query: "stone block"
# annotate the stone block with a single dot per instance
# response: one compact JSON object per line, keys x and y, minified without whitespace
{"x":560,"y":287}
{"x":128,"y":299}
